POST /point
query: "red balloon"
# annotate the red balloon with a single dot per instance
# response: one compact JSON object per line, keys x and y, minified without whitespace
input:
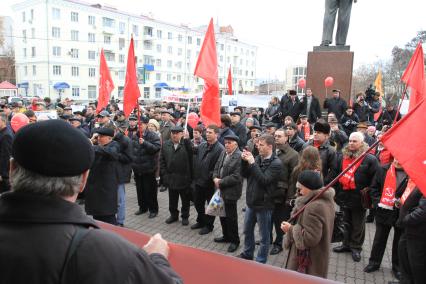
{"x":18,"y":121}
{"x":302,"y":83}
{"x":193,"y":119}
{"x":328,"y":82}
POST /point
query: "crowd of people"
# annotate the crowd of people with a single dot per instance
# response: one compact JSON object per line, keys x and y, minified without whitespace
{"x":286,"y":153}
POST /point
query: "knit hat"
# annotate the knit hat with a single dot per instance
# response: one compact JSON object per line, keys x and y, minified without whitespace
{"x":155,"y":123}
{"x":310,"y":179}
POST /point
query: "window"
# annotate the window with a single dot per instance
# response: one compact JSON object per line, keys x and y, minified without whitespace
{"x":198,"y":41}
{"x":107,"y":22}
{"x":120,"y":91}
{"x":74,"y":71}
{"x":74,"y":17}
{"x":56,"y":51}
{"x":221,"y":58}
{"x":33,"y":51}
{"x":188,"y":53}
{"x":180,"y":38}
{"x":91,"y":55}
{"x":109,"y":56}
{"x":178,"y":78}
{"x":146,"y":92}
{"x":56,"y":14}
{"x":24,"y":52}
{"x":157,"y":93}
{"x":169,"y":50}
{"x":121,"y":58}
{"x":169,"y":35}
{"x":169,"y":77}
{"x":32,"y":32}
{"x":91,"y":20}
{"x":56,"y":69}
{"x":159,"y":34}
{"x":179,"y":51}
{"x":121,"y":74}
{"x":56,"y":32}
{"x":74,"y":53}
{"x":158,"y":76}
{"x":74,"y":35}
{"x":158,"y":62}
{"x":190,"y":40}
{"x":222,"y":47}
{"x":91,"y":37}
{"x":147,"y":31}
{"x":147,"y":44}
{"x":121,"y":43}
{"x":26,"y":70}
{"x":148,"y":60}
{"x":23,"y":16}
{"x":158,"y":47}
{"x":107,"y":39}
{"x":122,"y":27}
{"x":91,"y":92}
{"x":24,"y":35}
{"x":169,"y":63}
{"x":34,"y":70}
{"x":179,"y":65}
{"x":92,"y":72}
{"x":135,"y":30}
{"x":75,"y":91}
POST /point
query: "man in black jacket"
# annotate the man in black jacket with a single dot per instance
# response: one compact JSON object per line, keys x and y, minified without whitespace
{"x":227,"y":177}
{"x":206,"y":157}
{"x":144,"y":166}
{"x":239,"y":129}
{"x":311,"y":107}
{"x":336,"y":104}
{"x":262,"y":175}
{"x":42,"y":205}
{"x":349,"y":194}
{"x":176,"y":167}
{"x":102,"y":183}
{"x":291,"y":106}
{"x":6,"y":138}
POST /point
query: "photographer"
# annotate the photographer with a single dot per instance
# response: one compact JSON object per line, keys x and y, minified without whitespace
{"x":367,"y":105}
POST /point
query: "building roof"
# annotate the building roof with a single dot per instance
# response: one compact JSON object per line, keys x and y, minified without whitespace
{"x":6,"y":85}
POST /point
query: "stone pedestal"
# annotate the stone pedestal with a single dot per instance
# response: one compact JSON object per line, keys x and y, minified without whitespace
{"x":333,"y":61}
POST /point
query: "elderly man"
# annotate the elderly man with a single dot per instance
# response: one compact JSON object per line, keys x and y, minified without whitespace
{"x":41,"y":224}
{"x":227,"y":177}
{"x":177,"y":171}
{"x":350,"y":184}
{"x":262,"y":175}
{"x":166,"y":124}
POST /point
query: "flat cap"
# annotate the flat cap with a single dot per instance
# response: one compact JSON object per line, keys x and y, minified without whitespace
{"x":176,"y":129}
{"x":232,"y":137}
{"x":235,"y":113}
{"x":105,"y":131}
{"x":52,"y":148}
{"x":104,"y":113}
{"x":322,"y":126}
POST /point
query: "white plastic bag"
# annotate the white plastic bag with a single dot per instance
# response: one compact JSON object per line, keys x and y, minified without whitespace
{"x":216,"y":205}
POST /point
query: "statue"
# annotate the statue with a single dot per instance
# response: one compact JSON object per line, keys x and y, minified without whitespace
{"x":331,"y":7}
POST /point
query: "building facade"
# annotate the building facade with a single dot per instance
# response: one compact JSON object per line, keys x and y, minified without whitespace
{"x":59,"y":41}
{"x":293,"y":75}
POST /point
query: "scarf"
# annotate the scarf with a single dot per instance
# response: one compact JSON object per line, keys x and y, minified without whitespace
{"x":410,"y":186}
{"x":348,"y":179}
{"x":306,"y":130}
{"x":387,"y":200}
{"x":385,"y":156}
{"x":317,"y":144}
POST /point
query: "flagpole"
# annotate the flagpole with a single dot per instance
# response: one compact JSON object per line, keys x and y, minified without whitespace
{"x":400,"y":104}
{"x":139,"y":120}
{"x":334,"y":181}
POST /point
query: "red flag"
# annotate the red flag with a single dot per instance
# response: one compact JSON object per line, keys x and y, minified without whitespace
{"x":106,"y":85}
{"x":206,"y":68}
{"x":412,"y":156}
{"x":131,"y":88}
{"x":229,"y":82}
{"x":414,"y":76}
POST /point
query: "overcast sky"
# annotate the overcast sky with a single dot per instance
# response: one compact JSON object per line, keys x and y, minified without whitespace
{"x":285,"y":30}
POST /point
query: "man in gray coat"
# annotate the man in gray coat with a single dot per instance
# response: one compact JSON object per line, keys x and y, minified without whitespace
{"x":331,"y":7}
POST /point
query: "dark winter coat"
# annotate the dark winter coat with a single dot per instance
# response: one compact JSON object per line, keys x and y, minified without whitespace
{"x":102,"y":184}
{"x":328,"y":160}
{"x":296,"y":143}
{"x":262,"y":182}
{"x":286,"y":188}
{"x":335,"y":105}
{"x":36,"y":232}
{"x":349,"y":123}
{"x":224,"y":132}
{"x":125,"y":158}
{"x":231,"y":183}
{"x":145,"y":155}
{"x":412,"y":217}
{"x":363,"y":177}
{"x":315,"y":110}
{"x":339,"y":138}
{"x":241,"y":131}
{"x":205,"y":161}
{"x":291,"y":108}
{"x":313,"y":232}
{"x":6,"y":139}
{"x":165,"y":130}
{"x":176,"y":165}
